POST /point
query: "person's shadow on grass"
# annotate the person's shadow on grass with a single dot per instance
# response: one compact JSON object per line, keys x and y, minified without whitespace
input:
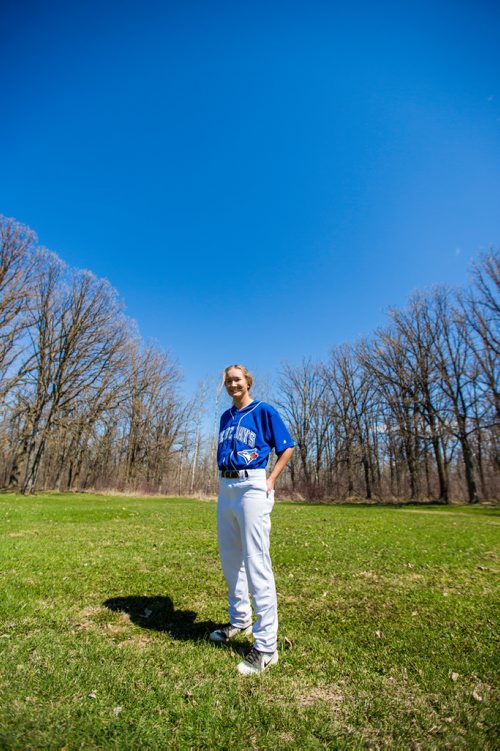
{"x":159,"y":614}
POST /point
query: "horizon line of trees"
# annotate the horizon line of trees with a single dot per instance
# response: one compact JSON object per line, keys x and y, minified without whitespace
{"x":410,"y":413}
{"x":413,"y":412}
{"x":84,"y":402}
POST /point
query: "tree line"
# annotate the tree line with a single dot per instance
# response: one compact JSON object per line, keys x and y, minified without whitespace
{"x":410,"y":413}
{"x":84,"y":401}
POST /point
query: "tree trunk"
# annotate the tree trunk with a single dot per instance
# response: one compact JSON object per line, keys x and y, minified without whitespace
{"x":32,"y":468}
{"x":469,"y":469}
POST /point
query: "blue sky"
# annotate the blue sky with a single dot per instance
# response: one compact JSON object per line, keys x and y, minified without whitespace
{"x":259,"y":181}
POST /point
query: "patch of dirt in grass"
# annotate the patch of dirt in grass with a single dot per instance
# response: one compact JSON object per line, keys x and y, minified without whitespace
{"x":289,"y":599}
{"x":328,"y":694}
{"x":305,"y":696}
{"x":122,"y":618}
{"x":367,"y":575}
{"x":117,"y":628}
{"x":138,"y":642}
{"x":84,"y":619}
{"x":404,"y":579}
{"x":92,"y":618}
{"x":490,"y":554}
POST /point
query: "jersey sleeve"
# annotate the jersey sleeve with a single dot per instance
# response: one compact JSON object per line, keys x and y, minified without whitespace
{"x":279,"y":437}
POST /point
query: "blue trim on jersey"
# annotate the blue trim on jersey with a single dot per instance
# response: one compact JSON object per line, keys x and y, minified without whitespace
{"x":247,"y":436}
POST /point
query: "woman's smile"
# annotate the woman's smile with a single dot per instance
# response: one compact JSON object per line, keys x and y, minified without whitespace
{"x":237,"y":387}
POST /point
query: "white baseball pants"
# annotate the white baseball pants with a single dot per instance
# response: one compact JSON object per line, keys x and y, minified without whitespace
{"x":243,"y":527}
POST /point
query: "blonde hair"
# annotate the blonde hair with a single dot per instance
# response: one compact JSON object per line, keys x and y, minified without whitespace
{"x":246,"y":373}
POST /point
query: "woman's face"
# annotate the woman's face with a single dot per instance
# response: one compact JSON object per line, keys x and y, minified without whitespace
{"x":236,"y":384}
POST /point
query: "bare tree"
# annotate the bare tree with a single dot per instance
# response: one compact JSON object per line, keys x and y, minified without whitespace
{"x":301,"y":391}
{"x":480,"y":310}
{"x":152,"y":416}
{"x":421,"y":337}
{"x":385,"y":362}
{"x":457,"y":377}
{"x":77,"y":337}
{"x":350,"y":393}
{"x":17,"y":278}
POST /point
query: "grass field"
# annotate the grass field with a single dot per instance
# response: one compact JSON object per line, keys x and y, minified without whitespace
{"x":387,"y":637}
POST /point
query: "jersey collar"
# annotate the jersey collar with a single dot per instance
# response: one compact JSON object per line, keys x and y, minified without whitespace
{"x":241,"y":411}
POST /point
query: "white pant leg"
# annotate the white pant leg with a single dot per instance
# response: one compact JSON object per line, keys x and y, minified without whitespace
{"x":231,"y":556}
{"x":254,"y":514}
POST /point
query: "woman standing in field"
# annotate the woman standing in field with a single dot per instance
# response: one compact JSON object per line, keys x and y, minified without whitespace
{"x":249,"y":431}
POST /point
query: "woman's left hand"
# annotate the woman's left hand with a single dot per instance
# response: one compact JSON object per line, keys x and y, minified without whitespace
{"x":270,"y":485}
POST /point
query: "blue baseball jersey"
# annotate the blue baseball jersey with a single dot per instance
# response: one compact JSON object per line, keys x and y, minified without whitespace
{"x":247,"y":436}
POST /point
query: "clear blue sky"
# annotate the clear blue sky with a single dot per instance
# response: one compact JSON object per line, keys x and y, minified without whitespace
{"x":258,"y":180}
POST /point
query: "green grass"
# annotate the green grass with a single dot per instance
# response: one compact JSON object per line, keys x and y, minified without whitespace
{"x":389,"y":614}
